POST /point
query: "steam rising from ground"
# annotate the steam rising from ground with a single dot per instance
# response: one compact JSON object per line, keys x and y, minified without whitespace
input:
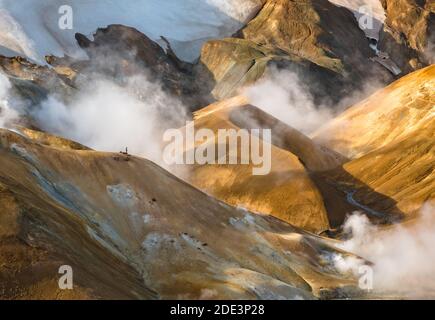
{"x":7,"y":113}
{"x":109,"y":117}
{"x":403,"y":255}
{"x":283,"y":96}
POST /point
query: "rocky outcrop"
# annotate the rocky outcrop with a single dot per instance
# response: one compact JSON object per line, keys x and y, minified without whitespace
{"x":408,"y":35}
{"x":119,"y":51}
{"x":33,"y":82}
{"x":317,"y":39}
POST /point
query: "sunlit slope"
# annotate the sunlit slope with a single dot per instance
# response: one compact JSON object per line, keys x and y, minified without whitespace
{"x":287,"y":192}
{"x":391,"y":137}
{"x":388,"y":116}
{"x":50,"y":140}
{"x":129,"y":229}
{"x":404,"y":171}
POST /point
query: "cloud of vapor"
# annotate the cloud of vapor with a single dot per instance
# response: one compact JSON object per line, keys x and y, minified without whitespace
{"x":403,"y":256}
{"x":7,"y":113}
{"x":282,"y":95}
{"x":108,"y":116}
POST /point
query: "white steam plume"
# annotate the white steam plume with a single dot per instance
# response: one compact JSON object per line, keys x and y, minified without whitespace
{"x":7,"y":113}
{"x":403,"y":255}
{"x":282,"y":95}
{"x":375,"y":6}
{"x":109,"y":117}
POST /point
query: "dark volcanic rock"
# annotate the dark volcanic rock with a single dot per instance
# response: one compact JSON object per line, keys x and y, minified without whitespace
{"x":317,"y":39}
{"x":121,"y":51}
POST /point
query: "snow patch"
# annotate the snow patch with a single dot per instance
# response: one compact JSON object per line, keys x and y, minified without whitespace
{"x":13,"y":39}
{"x":31,"y":27}
{"x":369,"y":8}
